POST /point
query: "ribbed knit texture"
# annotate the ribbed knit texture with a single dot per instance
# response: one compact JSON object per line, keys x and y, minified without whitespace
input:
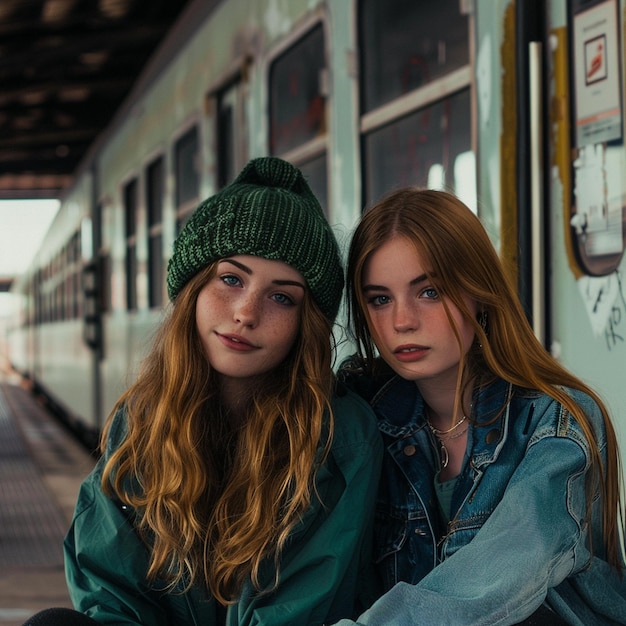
{"x":268,"y":211}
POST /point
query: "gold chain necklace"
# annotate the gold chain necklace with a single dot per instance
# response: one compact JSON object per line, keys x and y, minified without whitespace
{"x":439,"y":433}
{"x":441,"y":437}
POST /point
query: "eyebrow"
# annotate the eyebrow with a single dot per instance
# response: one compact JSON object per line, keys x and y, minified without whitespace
{"x":416,"y":281}
{"x":247,"y":270}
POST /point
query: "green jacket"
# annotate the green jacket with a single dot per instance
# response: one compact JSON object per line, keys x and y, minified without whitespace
{"x":325,"y":573}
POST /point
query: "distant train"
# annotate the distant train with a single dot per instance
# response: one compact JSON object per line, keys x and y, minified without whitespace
{"x":517,"y":106}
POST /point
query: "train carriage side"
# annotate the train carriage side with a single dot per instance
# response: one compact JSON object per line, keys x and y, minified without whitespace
{"x":477,"y":97}
{"x":48,"y":346}
{"x":551,"y":175}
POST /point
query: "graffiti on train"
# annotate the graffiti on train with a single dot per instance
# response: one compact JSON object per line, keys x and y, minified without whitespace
{"x":606,"y":307}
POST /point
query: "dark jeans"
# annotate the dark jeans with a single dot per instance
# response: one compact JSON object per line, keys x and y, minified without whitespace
{"x":60,"y":617}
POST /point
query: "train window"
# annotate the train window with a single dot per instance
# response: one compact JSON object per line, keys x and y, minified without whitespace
{"x":155,"y":173}
{"x":74,"y":288}
{"x":60,"y":301}
{"x":408,"y":44}
{"x":51,"y":294}
{"x":298,"y":126}
{"x":64,"y":285}
{"x":297,"y":94}
{"x":187,"y":170}
{"x":225,"y":131}
{"x":230,"y":131}
{"x":70,"y":293}
{"x":45,"y":308}
{"x":37,"y":296}
{"x":104,"y":277}
{"x":314,"y":171}
{"x":45,"y":303}
{"x":130,"y":212}
{"x":61,"y":274}
{"x":154,"y":191}
{"x":431,"y":147}
{"x":415,"y":97}
{"x":78,"y":300}
{"x":54,"y":292}
{"x":155,"y":275}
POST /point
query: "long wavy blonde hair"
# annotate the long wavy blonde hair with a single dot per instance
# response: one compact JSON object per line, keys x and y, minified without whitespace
{"x":461,"y":262}
{"x":213,"y":502}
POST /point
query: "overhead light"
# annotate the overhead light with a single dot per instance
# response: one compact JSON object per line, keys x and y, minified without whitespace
{"x":32,"y":98}
{"x":23,"y":122}
{"x":94,"y":59}
{"x":113,"y":8}
{"x":73,"y":94}
{"x":8,"y":8}
{"x":56,"y":10}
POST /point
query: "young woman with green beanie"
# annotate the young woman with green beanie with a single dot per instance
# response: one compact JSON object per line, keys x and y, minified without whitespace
{"x":237,"y":480}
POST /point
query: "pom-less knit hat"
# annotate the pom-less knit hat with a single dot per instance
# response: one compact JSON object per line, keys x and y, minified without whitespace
{"x":268,"y":211}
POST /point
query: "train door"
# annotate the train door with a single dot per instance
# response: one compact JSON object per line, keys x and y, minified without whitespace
{"x":532,"y":254}
{"x":511,"y":44}
{"x":554,"y":199}
{"x":588,"y":195}
{"x":553,"y":141}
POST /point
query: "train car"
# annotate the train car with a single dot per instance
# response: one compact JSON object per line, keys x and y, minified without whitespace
{"x":516,"y":106}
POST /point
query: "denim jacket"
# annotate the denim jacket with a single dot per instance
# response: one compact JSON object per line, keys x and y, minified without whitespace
{"x":518,"y":536}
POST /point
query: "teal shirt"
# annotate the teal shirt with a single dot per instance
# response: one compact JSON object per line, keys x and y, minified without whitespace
{"x":444,"y":491}
{"x":326,"y":569}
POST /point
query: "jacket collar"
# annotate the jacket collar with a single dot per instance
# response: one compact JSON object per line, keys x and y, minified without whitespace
{"x":400,"y":410}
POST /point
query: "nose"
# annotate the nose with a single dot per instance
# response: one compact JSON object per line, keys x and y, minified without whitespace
{"x":405,"y":317}
{"x":247,"y":310}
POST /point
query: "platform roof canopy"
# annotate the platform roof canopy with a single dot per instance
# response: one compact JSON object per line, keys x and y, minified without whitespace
{"x":65,"y":68}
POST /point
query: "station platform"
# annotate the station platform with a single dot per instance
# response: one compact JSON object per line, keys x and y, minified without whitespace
{"x":41,"y":468}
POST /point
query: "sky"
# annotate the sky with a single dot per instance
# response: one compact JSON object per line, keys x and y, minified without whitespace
{"x":23,"y":225}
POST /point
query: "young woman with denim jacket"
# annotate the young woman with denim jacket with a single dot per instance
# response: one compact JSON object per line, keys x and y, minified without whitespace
{"x":500,"y":496}
{"x":233,"y":466}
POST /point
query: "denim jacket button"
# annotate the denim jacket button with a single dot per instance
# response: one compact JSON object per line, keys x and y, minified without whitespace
{"x":409,"y":450}
{"x":492,"y":436}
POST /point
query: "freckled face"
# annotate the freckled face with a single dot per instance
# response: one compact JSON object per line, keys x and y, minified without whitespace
{"x":248,"y":316}
{"x":407,"y":319}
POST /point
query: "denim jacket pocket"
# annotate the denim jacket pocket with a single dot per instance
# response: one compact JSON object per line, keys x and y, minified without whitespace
{"x":401,"y":552}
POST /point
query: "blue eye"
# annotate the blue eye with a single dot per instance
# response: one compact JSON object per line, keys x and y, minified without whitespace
{"x":230,"y":280}
{"x":282,"y":298}
{"x":378,"y":300}
{"x":430,"y":293}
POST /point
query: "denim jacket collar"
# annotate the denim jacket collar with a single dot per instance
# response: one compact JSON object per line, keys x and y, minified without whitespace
{"x":400,"y":410}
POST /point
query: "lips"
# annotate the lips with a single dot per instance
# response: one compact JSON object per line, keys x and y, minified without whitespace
{"x":410,"y":352}
{"x":409,"y":348}
{"x":236,"y":342}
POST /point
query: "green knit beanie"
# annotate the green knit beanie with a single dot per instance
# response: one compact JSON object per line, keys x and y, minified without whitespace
{"x":268,"y":211}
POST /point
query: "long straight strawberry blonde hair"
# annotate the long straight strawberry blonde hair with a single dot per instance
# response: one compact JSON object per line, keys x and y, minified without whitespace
{"x":461,"y":262}
{"x":214,"y":503}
